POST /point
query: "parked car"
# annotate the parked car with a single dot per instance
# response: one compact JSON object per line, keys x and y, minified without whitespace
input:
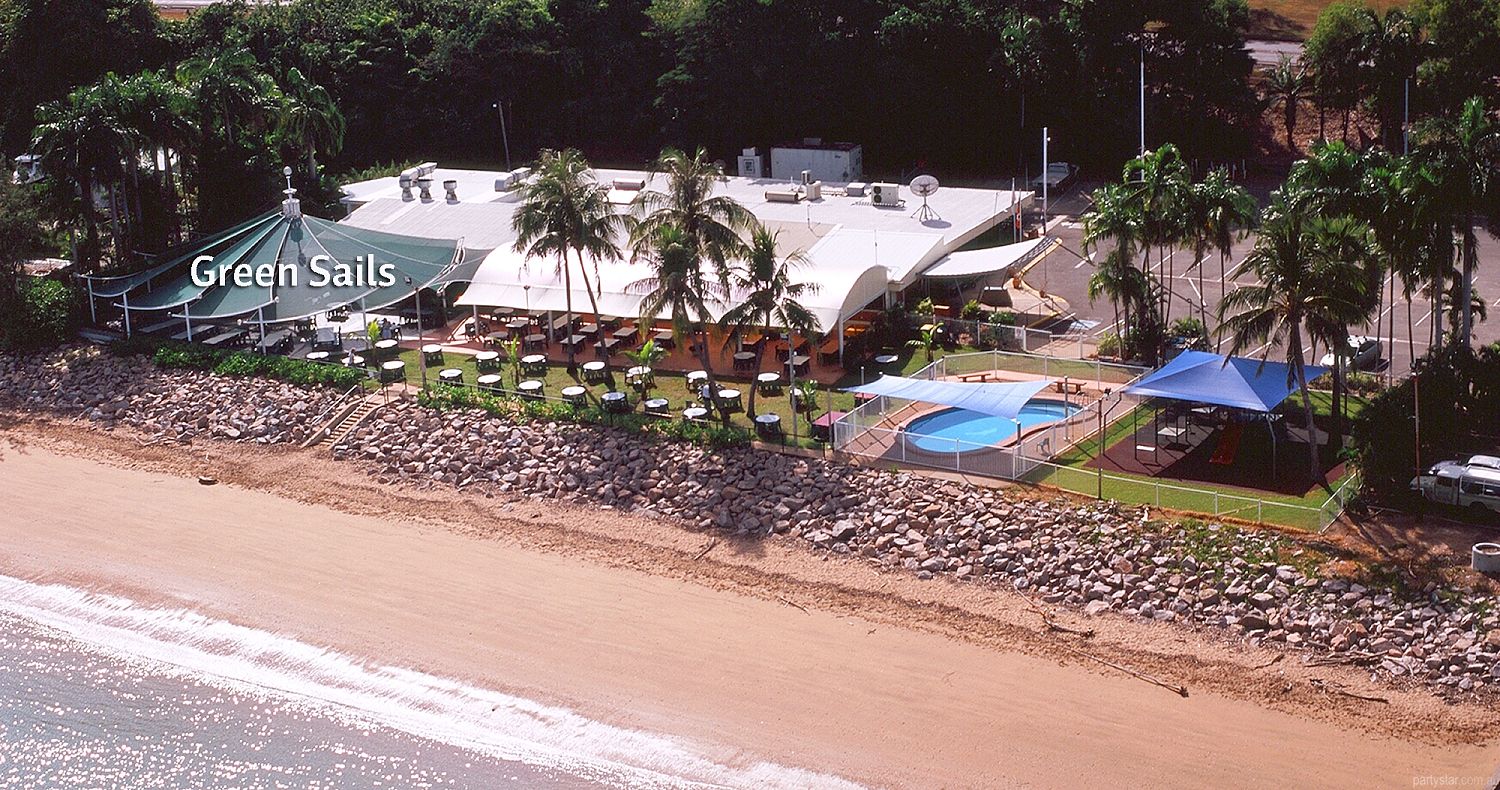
{"x":1468,"y":485}
{"x":1058,"y":176}
{"x":1363,"y":353}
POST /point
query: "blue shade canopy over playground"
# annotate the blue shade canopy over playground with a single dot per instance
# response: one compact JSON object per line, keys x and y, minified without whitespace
{"x":1236,"y":382}
{"x":999,"y":400}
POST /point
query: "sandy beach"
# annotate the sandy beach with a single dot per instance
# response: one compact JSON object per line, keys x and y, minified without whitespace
{"x":754,"y":651}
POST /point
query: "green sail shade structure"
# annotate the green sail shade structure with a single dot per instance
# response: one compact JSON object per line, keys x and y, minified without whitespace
{"x":303,"y":253}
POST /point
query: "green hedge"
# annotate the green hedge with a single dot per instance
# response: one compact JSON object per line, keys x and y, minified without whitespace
{"x":191,"y":356}
{"x":39,"y":315}
{"x":710,"y":435}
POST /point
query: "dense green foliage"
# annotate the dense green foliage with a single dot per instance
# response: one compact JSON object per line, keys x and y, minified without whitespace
{"x":41,"y":313}
{"x":1459,"y":412}
{"x":190,"y":356}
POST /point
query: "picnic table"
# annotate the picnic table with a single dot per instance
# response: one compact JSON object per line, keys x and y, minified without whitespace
{"x":228,"y":336}
{"x":625,"y":333}
{"x":798,"y":363}
{"x":663,"y":338}
{"x":744,"y":360}
{"x":517,"y":324}
{"x":589,"y":329}
{"x":277,"y":338}
{"x":535,"y":341}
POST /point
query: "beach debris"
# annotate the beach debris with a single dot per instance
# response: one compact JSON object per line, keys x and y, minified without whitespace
{"x":706,"y":549}
{"x":1337,"y":688}
{"x":207,"y":480}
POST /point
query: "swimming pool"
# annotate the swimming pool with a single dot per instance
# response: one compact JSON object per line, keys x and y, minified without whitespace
{"x":961,"y":430}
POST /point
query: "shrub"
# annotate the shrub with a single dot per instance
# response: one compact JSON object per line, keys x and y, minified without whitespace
{"x":190,"y":356}
{"x":972,"y":311}
{"x":1003,"y":318}
{"x":1191,"y":333}
{"x":42,"y":314}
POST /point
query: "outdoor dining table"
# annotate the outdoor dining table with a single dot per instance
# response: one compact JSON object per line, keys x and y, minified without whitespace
{"x":663,"y":338}
{"x":392,"y":370}
{"x":574,"y":393}
{"x":517,"y":324}
{"x":450,"y":375}
{"x":432,"y":348}
{"x":625,"y":333}
{"x":614,"y":401}
{"x":317,"y":356}
{"x":574,"y":341}
{"x":729,"y":397}
{"x":655,"y":405}
{"x":694,"y":413}
{"x":530,"y":388}
{"x":744,"y":359}
{"x":768,"y":423}
{"x":354,"y":361}
{"x":637,"y":373}
{"x":588,"y":330}
{"x":593,"y":370}
{"x":489,"y":381}
{"x":697,"y":377}
{"x":487,"y":359}
{"x":886,"y":359}
{"x":385,"y":347}
{"x":798,"y":363}
{"x":225,"y":337}
{"x":536,"y":340}
{"x":768,"y":380}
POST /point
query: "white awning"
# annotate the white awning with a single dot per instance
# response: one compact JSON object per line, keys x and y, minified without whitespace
{"x":990,"y":260}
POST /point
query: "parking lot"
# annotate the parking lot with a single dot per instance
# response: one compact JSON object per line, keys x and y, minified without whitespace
{"x":1066,"y":272}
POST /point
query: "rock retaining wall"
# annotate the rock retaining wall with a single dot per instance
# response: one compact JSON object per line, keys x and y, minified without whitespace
{"x":1095,"y":557}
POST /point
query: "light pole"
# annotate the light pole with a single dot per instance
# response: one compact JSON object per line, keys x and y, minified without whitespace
{"x":1046,"y":167}
{"x":416,"y":295}
{"x":1099,"y":453}
{"x":504,"y":135}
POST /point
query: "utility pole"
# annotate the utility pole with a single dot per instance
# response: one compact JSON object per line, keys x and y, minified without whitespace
{"x":1046,"y":167}
{"x":1143,"y":98}
{"x":1406,"y":119}
{"x":504,"y":135}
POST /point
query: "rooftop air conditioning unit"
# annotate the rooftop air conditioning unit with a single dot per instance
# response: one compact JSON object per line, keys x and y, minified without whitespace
{"x":855,"y":189}
{"x":426,"y":168}
{"x":805,"y":177}
{"x":885,"y":194}
{"x":751,"y":165}
{"x":629,"y":184}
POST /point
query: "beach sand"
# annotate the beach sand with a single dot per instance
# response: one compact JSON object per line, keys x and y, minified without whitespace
{"x":751,"y":651}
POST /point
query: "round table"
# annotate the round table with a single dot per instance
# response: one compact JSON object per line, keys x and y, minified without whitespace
{"x":573,"y":391}
{"x":385,"y":345}
{"x":432,"y":348}
{"x":729,"y":394}
{"x":613,"y":400}
{"x":696,"y":377}
{"x":638,"y":371}
{"x":533,"y":359}
{"x":450,"y":375}
{"x":489,"y":381}
{"x":536,"y":339}
{"x":392,"y":369}
{"x":355,"y":361}
{"x":530,"y":387}
{"x":769,"y":423}
{"x":744,"y":359}
{"x":317,"y":356}
{"x":694,"y":413}
{"x":487,"y":356}
{"x":767,"y":379}
{"x":886,"y":359}
{"x":656,"y":404}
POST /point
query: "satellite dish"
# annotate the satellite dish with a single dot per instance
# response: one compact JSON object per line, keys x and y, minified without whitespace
{"x":924,"y":186}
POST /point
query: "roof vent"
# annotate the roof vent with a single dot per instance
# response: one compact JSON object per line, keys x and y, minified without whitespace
{"x":425,"y":184}
{"x":630,"y":184}
{"x":426,"y":168}
{"x":451,"y":188}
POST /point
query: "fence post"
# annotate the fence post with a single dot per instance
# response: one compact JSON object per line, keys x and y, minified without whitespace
{"x":1259,"y":517}
{"x":1216,"y":503}
{"x":1157,"y":488}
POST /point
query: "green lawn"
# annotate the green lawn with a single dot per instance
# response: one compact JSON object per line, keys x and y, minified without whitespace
{"x":1071,"y":473}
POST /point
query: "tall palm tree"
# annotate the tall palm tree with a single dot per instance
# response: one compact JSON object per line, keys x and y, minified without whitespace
{"x":1465,"y":151}
{"x":157,"y":113}
{"x":1229,"y":211}
{"x":564,"y":209}
{"x":711,"y":229}
{"x":233,"y":93}
{"x":1158,"y":183}
{"x":676,"y":286}
{"x":81,"y":139}
{"x":1113,"y":218}
{"x":1392,"y":48}
{"x":309,"y":120}
{"x":768,"y":298}
{"x":1290,"y":86}
{"x":1311,"y":282}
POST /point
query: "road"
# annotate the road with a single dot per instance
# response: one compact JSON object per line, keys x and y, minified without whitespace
{"x":1268,"y":53}
{"x":1066,"y":272}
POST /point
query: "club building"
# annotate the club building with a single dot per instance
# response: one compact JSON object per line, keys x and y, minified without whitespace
{"x":867,"y":242}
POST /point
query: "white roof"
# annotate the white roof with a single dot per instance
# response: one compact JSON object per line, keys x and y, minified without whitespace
{"x":508,"y":279}
{"x":972,"y":263}
{"x":474,"y":186}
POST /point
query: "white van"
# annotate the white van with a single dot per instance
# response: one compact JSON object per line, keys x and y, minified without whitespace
{"x":1465,"y":485}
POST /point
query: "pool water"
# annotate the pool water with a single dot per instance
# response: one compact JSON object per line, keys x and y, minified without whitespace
{"x":961,"y":430}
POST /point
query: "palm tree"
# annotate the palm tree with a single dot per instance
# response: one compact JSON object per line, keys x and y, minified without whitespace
{"x":1466,"y":154}
{"x":647,"y":356}
{"x":232,"y":92}
{"x":710,"y":229}
{"x":1158,"y":183}
{"x":676,"y":286}
{"x":768,"y":298}
{"x":1392,"y":46}
{"x":81,"y":139}
{"x":1288,"y":85}
{"x":565,"y":209}
{"x":926,"y":340}
{"x":156,"y":112}
{"x":1228,"y":211}
{"x":1311,"y":282}
{"x":309,"y":121}
{"x":1113,"y":218}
